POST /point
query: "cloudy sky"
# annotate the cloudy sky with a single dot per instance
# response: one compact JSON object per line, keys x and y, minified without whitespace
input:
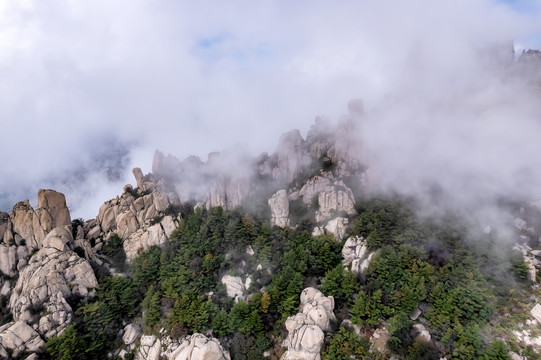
{"x":89,"y":89}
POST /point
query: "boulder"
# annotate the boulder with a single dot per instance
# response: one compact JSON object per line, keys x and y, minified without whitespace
{"x":354,"y":248}
{"x":318,"y":307}
{"x":305,"y":330}
{"x":127,"y":224}
{"x":139,"y":177}
{"x":424,"y":335}
{"x":279,"y":205}
{"x":536,"y":312}
{"x":131,"y":333}
{"x":52,"y":210}
{"x":59,"y":238}
{"x":22,"y":220}
{"x":193,"y":347}
{"x":355,"y":253}
{"x":234,"y":286}
{"x":199,"y":347}
{"x":5,"y":224}
{"x":358,"y":266}
{"x":304,"y":339}
{"x":337,"y":227}
{"x":19,"y":337}
{"x":149,"y":349}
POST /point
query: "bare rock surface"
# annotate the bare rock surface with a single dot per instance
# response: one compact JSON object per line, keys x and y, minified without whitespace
{"x":289,"y":157}
{"x":318,"y":307}
{"x":304,"y":339}
{"x":142,"y":217}
{"x":355,"y":254}
{"x":536,"y":312}
{"x":337,"y":226}
{"x":279,"y":205}
{"x":305,"y":329}
{"x":193,"y":347}
{"x":131,"y":333}
{"x":52,"y":210}
{"x":313,"y":187}
{"x":424,"y":335}
{"x":234,"y":285}
{"x":52,"y":274}
{"x":18,"y":337}
{"x":334,"y":200}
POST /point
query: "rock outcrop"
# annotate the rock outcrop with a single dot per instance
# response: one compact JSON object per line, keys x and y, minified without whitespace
{"x":337,"y":226}
{"x":289,"y":157}
{"x":304,"y":339}
{"x":355,"y":254}
{"x":313,"y":187}
{"x":142,"y":217}
{"x":305,"y":330}
{"x":279,"y":205}
{"x":17,"y":338}
{"x":235,"y":286}
{"x":52,"y":274}
{"x":193,"y":347}
{"x":130,"y":335}
{"x":334,"y":200}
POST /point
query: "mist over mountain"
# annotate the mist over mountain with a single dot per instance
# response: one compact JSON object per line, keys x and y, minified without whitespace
{"x":270,"y":180}
{"x":189,"y":79}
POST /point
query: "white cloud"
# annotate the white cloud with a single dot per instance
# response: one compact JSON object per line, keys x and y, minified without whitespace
{"x":194,"y":77}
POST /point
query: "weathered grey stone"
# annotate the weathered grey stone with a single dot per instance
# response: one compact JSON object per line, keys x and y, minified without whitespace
{"x":22,"y":220}
{"x":279,"y":205}
{"x":424,"y":335}
{"x":50,"y":276}
{"x":199,"y":347}
{"x":318,"y":307}
{"x":289,"y":157}
{"x":168,"y":224}
{"x":52,"y":212}
{"x":335,"y":200}
{"x":127,"y":224}
{"x":193,"y":347}
{"x":313,"y":187}
{"x":234,"y":286}
{"x":139,"y":177}
{"x":338,"y":227}
{"x":59,"y":238}
{"x":355,"y":247}
{"x":19,"y":337}
{"x":8,"y":260}
{"x":144,"y":239}
{"x":536,"y":312}
{"x":304,"y":340}
{"x":305,"y":330}
{"x":131,"y":333}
